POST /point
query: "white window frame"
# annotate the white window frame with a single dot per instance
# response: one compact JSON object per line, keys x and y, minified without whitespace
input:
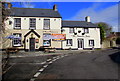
{"x":47,"y":40}
{"x":69,"y":42}
{"x":17,"y":23}
{"x":19,"y":41}
{"x":86,"y":30}
{"x":91,"y":43}
{"x":71,"y":30}
{"x":46,"y":24}
{"x":32,"y":23}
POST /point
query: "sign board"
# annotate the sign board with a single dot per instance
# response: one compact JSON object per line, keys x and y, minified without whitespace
{"x":59,"y":36}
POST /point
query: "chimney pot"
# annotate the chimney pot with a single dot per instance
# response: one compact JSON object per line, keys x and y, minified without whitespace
{"x":87,"y":18}
{"x":55,"y":7}
{"x":9,"y":5}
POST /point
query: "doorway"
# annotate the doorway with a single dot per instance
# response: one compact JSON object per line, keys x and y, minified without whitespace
{"x":32,"y":44}
{"x":80,"y":43}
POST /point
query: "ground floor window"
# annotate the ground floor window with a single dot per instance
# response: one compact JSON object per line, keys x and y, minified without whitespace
{"x":17,"y":39}
{"x":68,"y":42}
{"x":46,"y":42}
{"x":46,"y":39}
{"x":91,"y":42}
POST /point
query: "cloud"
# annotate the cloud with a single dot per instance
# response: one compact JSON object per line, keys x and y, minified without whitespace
{"x":27,"y":5}
{"x":108,"y":15}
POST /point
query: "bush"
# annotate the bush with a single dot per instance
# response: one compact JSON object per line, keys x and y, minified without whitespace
{"x":118,"y":40}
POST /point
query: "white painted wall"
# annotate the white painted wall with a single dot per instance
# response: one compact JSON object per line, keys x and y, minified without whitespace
{"x":55,"y":23}
{"x":55,"y":27}
{"x":94,"y":34}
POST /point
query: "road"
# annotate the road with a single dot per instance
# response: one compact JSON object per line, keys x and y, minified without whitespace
{"x":88,"y":65}
{"x":77,"y":65}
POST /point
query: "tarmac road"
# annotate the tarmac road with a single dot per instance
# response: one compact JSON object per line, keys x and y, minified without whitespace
{"x":77,"y":65}
{"x":90,"y":66}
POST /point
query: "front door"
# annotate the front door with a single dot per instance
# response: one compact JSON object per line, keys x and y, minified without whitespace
{"x":80,"y":43}
{"x":32,"y":44}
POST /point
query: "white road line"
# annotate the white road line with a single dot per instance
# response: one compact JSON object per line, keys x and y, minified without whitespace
{"x":37,"y":74}
{"x":66,"y":55}
{"x":62,"y":56}
{"x":50,"y":62}
{"x":54,"y":57}
{"x":41,"y":69}
{"x":54,"y":60}
{"x":43,"y":62}
{"x":49,"y":59}
{"x":33,"y":79}
{"x":45,"y":66}
{"x":57,"y":58}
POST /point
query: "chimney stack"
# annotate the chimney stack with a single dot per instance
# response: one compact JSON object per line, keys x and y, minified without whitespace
{"x":9,"y":5}
{"x":87,"y":18}
{"x":55,"y":7}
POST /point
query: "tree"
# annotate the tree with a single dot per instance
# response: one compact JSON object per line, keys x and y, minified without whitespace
{"x":105,"y":29}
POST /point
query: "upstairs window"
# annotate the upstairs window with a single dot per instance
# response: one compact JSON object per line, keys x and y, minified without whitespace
{"x":91,"y":42}
{"x":71,"y":30}
{"x":17,"y":39}
{"x":32,"y":23}
{"x":17,"y":23}
{"x":86,"y":30}
{"x":46,"y":24}
{"x":69,"y":42}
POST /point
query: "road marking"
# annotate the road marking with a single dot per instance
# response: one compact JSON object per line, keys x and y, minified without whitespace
{"x":43,"y":62}
{"x":57,"y":58}
{"x":41,"y":69}
{"x":50,"y":62}
{"x":54,"y":57}
{"x":33,"y":79}
{"x":66,"y":55}
{"x":37,"y":74}
{"x":54,"y":60}
{"x":49,"y":59}
{"x":45,"y":66}
{"x":62,"y":56}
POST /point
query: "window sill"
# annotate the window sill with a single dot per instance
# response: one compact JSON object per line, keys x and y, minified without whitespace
{"x":68,"y":45}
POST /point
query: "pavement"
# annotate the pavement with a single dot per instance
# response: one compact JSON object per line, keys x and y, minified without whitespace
{"x":41,"y":53}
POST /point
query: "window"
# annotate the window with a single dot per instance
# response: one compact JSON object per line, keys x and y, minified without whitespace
{"x":46,"y":24}
{"x":69,"y":42}
{"x":46,"y":39}
{"x":71,"y":30}
{"x":17,"y":39}
{"x":17,"y":24}
{"x":32,"y":23}
{"x":86,"y":30}
{"x":91,"y":42}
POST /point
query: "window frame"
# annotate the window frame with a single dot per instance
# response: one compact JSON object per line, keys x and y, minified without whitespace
{"x":91,"y":43}
{"x":71,"y":31}
{"x":46,"y":39}
{"x":17,"y":23}
{"x":13,"y":41}
{"x":48,"y":24}
{"x":70,"y":44}
{"x":32,"y":23}
{"x":86,"y":29}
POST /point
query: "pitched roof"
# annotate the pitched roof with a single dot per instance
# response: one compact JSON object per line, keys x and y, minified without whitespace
{"x":34,"y":12}
{"x":33,"y":32}
{"x":77,"y":24}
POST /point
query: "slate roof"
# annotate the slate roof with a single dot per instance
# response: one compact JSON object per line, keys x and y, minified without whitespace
{"x":34,"y":12}
{"x":77,"y":24}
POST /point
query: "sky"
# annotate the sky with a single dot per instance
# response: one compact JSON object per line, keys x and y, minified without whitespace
{"x":98,"y":11}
